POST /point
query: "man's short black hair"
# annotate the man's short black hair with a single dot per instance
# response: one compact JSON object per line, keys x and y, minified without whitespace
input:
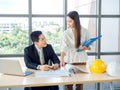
{"x":35,"y":36}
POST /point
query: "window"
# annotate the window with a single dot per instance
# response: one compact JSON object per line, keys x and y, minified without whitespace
{"x":13,"y":7}
{"x":110,"y":28}
{"x":82,"y":6}
{"x":14,"y":35}
{"x":113,"y":7}
{"x":18,"y":18}
{"x":52,"y":29}
{"x":47,"y":6}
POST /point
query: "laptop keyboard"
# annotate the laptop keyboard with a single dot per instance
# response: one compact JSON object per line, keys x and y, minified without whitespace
{"x":27,"y":72}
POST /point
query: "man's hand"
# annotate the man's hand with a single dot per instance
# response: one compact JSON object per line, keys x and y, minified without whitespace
{"x":45,"y":67}
{"x":55,"y":66}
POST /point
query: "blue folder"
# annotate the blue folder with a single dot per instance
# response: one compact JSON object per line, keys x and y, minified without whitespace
{"x":89,"y":42}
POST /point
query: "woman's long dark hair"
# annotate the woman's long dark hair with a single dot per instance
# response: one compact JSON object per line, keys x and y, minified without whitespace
{"x":75,"y":16}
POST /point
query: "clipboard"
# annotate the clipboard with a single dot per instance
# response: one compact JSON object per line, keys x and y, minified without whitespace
{"x":89,"y":42}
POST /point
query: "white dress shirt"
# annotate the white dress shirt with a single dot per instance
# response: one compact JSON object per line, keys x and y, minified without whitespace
{"x":41,"y":55}
{"x":68,"y":46}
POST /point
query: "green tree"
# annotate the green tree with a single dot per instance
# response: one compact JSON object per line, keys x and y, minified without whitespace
{"x":13,"y":42}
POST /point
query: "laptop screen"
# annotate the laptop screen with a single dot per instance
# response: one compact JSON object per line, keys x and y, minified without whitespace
{"x":13,"y":67}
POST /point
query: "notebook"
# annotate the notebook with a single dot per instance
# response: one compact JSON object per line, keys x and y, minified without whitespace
{"x":13,"y":67}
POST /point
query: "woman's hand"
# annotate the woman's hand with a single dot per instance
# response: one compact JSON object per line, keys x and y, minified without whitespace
{"x":84,"y":48}
{"x":62,"y":63}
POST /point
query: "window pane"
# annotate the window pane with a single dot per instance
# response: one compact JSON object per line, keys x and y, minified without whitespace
{"x":110,"y":58}
{"x":13,"y":6}
{"x":90,"y":24}
{"x":52,"y":28}
{"x":91,"y":58}
{"x":47,"y":6}
{"x":82,"y":6}
{"x":110,"y":6}
{"x":14,"y":35}
{"x":110,"y":29}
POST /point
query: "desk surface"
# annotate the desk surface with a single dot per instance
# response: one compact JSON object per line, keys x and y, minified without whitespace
{"x":9,"y":81}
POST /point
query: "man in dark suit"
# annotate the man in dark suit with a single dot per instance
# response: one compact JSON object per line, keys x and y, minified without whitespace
{"x":37,"y":61}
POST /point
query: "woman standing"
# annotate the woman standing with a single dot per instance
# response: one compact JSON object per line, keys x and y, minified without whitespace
{"x":71,"y":41}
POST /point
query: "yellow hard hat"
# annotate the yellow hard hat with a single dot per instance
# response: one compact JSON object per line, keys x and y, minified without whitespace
{"x":97,"y":66}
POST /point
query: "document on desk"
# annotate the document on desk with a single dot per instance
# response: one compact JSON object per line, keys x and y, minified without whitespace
{"x":72,"y":68}
{"x":53,"y":73}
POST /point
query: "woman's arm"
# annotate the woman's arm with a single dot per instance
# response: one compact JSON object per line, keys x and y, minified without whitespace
{"x":62,"y":62}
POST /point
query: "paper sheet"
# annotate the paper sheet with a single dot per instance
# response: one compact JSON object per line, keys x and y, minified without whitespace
{"x":72,"y":68}
{"x":52,"y":73}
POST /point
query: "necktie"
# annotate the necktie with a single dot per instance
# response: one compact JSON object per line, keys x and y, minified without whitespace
{"x":41,"y":57}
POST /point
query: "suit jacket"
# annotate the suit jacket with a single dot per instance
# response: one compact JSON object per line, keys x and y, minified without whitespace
{"x":32,"y":59}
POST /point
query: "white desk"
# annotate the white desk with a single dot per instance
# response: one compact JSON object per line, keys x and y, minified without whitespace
{"x":9,"y":81}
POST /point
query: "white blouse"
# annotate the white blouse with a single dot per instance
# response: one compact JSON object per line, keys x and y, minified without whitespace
{"x":68,"y":46}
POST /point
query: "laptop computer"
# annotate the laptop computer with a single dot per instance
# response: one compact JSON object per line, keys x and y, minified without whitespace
{"x":13,"y":67}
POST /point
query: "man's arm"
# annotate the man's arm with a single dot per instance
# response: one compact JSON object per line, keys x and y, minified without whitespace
{"x":28,"y":60}
{"x":52,"y":57}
